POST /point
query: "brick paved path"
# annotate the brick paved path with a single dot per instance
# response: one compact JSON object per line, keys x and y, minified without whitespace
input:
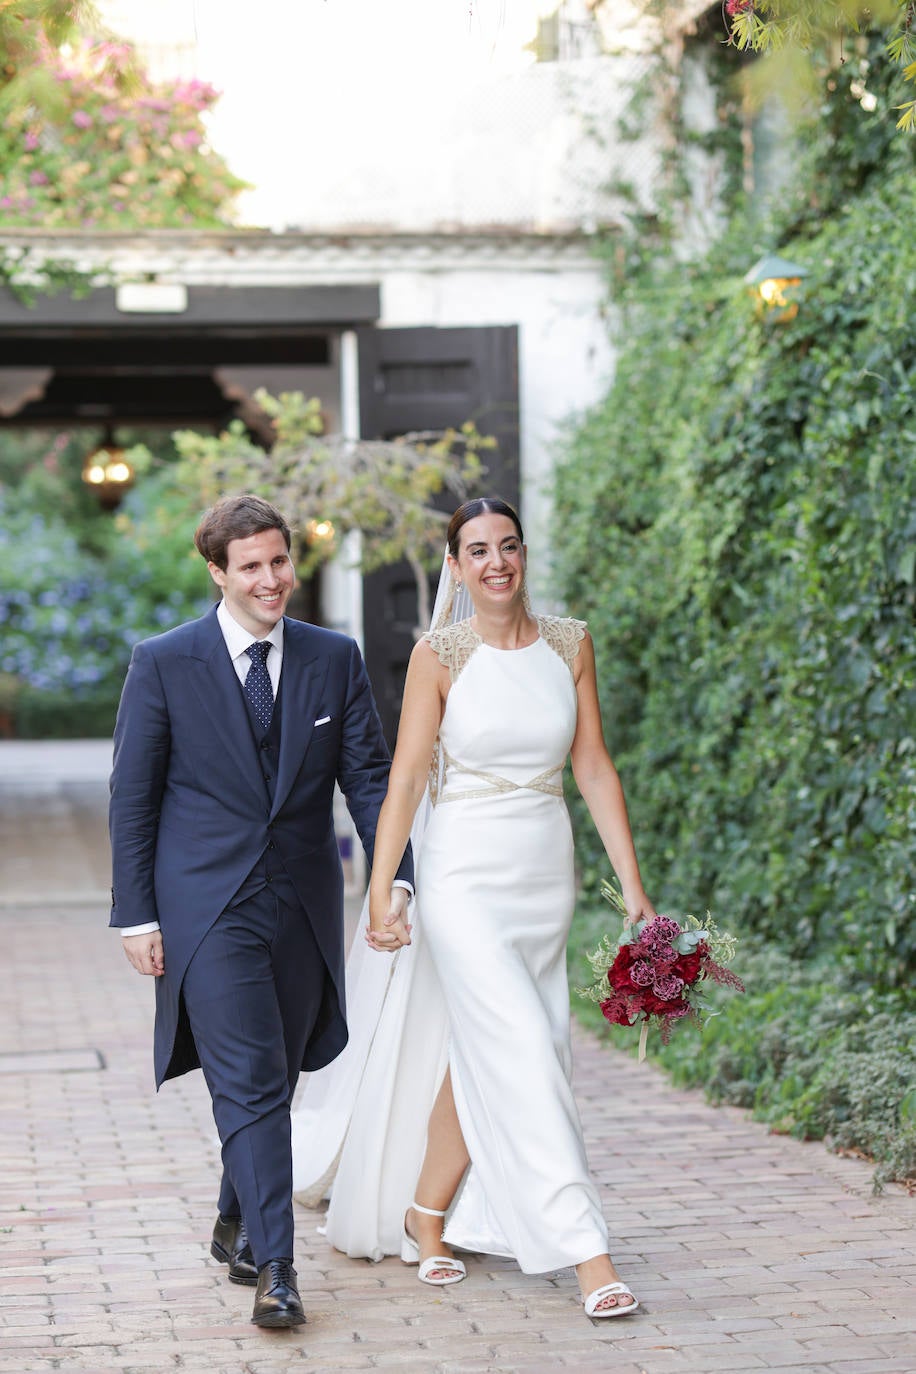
{"x":748,"y":1251}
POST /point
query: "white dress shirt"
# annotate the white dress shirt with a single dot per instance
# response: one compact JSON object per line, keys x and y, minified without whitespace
{"x":239,"y":640}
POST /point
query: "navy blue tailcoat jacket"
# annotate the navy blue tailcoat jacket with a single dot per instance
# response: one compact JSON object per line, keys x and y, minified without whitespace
{"x":191,"y":816}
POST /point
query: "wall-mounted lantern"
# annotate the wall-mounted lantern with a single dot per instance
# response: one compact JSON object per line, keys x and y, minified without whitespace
{"x":107,"y":471}
{"x":774,"y":281}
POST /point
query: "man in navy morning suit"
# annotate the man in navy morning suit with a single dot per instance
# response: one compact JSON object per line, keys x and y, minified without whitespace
{"x":227,"y":880}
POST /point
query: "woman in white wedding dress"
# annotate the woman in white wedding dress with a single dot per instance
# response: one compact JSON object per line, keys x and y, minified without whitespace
{"x":504,"y":697}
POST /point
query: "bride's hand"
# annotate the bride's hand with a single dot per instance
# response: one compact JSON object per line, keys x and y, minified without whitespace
{"x":395,"y":934}
{"x":639,"y":908}
{"x":389,"y":929}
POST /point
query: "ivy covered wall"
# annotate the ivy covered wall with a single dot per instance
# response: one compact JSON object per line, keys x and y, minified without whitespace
{"x":737,"y":521}
{"x":739,"y":527}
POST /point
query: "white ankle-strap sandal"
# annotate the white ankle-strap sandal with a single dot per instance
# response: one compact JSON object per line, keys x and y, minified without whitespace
{"x":410,"y":1254}
{"x":606,"y":1290}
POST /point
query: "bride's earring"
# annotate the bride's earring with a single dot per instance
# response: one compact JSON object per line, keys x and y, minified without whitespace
{"x":526,"y":599}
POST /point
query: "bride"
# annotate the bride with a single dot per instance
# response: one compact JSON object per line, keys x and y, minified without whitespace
{"x":453,"y":1098}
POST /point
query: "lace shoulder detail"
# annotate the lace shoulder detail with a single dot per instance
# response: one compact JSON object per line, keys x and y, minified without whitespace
{"x":563,"y":634}
{"x":454,"y":645}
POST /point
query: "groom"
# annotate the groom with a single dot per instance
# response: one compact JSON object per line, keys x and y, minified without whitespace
{"x":231,"y":733}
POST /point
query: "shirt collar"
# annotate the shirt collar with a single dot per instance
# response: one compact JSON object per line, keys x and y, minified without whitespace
{"x":238,"y":638}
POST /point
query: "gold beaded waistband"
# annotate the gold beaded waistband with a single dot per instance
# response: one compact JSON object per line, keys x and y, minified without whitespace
{"x":494,"y":782}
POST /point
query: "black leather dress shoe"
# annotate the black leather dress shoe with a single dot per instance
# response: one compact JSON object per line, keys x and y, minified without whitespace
{"x":230,"y":1246}
{"x":277,"y":1301}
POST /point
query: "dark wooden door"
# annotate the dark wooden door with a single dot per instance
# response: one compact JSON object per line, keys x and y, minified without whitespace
{"x":429,"y":379}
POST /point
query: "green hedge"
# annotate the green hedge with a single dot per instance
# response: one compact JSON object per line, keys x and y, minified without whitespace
{"x":60,"y":715}
{"x":737,"y":522}
{"x":739,"y":527}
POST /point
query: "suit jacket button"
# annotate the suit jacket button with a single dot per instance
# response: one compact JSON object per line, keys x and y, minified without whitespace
{"x":269,"y":878}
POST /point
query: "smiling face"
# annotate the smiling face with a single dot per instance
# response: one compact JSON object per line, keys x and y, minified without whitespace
{"x":257,"y":581}
{"x":491,"y":560}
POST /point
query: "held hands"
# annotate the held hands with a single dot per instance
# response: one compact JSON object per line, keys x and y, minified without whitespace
{"x":388,"y":929}
{"x":145,"y":952}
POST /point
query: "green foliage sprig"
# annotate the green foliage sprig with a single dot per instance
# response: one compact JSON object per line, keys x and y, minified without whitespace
{"x":788,"y":31}
{"x":29,"y":274}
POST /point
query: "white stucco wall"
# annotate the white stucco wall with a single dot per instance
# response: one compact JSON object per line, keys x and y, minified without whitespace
{"x":565,"y":354}
{"x":419,"y":115}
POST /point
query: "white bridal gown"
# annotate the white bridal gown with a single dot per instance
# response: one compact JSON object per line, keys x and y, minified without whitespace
{"x":482,"y":988}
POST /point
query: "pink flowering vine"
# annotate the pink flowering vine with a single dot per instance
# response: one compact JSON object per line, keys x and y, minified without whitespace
{"x":116,"y":150}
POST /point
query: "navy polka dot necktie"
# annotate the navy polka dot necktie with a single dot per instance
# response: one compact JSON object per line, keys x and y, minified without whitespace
{"x":257,"y":683}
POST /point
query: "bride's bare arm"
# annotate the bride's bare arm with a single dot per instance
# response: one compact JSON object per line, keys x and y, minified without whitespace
{"x":598,"y":781}
{"x":421,"y":712}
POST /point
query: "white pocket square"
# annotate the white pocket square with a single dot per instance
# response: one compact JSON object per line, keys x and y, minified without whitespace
{"x":324,"y":720}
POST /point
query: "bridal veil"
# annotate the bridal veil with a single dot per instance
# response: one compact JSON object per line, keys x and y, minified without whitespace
{"x":359,"y":1125}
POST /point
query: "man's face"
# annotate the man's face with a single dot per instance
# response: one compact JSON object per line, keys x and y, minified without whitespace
{"x":258,"y":580}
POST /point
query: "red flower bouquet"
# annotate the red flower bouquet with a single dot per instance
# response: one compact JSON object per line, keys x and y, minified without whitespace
{"x":656,"y":968}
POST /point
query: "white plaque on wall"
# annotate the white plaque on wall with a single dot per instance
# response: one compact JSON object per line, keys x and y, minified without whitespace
{"x":152,"y":297}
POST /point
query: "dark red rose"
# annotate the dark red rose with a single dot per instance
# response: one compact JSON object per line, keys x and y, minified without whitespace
{"x":619,"y":973}
{"x":658,"y":1006}
{"x":688,"y":966}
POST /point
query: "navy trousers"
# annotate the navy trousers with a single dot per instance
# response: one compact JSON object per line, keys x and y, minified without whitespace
{"x":253,"y":992}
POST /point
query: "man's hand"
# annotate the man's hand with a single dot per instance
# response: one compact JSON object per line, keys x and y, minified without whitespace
{"x":145,"y":952}
{"x":395,"y":931}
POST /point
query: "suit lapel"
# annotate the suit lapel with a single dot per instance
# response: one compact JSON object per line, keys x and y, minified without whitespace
{"x":301,"y":680}
{"x":213,"y":679}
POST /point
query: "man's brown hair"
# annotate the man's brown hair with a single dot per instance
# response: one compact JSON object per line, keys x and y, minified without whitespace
{"x":236,"y":517}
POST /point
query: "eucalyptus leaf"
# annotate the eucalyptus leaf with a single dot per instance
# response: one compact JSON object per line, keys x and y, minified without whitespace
{"x":688,"y":940}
